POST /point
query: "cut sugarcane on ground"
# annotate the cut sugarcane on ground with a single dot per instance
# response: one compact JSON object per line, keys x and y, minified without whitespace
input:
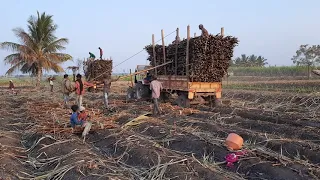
{"x":281,"y":133}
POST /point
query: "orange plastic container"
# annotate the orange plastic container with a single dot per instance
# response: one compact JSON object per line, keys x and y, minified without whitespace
{"x":234,"y":141}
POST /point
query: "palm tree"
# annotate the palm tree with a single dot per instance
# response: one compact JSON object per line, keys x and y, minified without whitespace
{"x":241,"y":61}
{"x":252,"y":61}
{"x":39,"y":48}
{"x":261,"y":61}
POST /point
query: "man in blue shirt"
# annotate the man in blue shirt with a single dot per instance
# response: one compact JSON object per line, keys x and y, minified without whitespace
{"x":74,"y":117}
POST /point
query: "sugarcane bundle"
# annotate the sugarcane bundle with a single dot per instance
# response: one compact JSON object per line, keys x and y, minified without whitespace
{"x":209,"y":57}
{"x":96,"y":70}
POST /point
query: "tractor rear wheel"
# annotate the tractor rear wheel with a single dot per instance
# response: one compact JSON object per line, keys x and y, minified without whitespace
{"x":183,"y":101}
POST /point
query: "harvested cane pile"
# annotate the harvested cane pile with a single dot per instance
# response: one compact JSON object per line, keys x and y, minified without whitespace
{"x":208,"y":57}
{"x":95,"y":70}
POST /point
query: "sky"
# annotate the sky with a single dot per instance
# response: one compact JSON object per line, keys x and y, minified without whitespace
{"x":272,"y":28}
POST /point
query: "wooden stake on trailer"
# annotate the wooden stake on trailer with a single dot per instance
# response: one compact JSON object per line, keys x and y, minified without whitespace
{"x":222,"y":34}
{"x":222,"y":31}
{"x":176,"y":55}
{"x":187,"y":51}
{"x":164,"y":51}
{"x":131,"y":79}
{"x":154,"y":55}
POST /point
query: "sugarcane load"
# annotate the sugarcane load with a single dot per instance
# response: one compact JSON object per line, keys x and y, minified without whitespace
{"x":209,"y":57}
{"x":192,"y":68}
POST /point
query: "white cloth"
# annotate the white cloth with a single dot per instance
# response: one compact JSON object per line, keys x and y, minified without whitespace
{"x":82,"y":108}
{"x":79,"y":100}
{"x":51,"y":82}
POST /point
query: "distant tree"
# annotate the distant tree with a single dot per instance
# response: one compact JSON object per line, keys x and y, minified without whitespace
{"x":80,"y":65}
{"x":39,"y":48}
{"x":250,"y":61}
{"x":261,"y":61}
{"x":307,"y":56}
{"x":241,"y":61}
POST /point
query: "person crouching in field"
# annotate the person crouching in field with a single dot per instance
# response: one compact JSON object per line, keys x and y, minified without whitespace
{"x":155,"y":87}
{"x":79,"y":118}
{"x":86,"y":124}
{"x":80,"y":89}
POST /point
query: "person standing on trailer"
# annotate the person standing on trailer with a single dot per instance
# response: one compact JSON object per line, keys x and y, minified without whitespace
{"x":204,"y":32}
{"x":177,"y":40}
{"x":155,"y":87}
{"x":101,"y":53}
{"x":92,"y":56}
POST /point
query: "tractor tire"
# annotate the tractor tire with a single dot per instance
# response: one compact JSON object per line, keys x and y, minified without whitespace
{"x":213,"y":101}
{"x":165,"y":97}
{"x":183,"y":101}
{"x":130,"y":94}
{"x":142,"y":91}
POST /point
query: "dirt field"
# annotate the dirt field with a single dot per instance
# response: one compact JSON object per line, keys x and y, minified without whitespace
{"x":281,"y":133}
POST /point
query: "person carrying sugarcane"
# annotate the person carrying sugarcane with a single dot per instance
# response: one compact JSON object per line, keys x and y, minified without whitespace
{"x":92,"y":56}
{"x":204,"y":32}
{"x":101,"y":53}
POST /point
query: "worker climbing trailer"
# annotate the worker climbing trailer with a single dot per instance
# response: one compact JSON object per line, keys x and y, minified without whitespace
{"x":197,"y":68}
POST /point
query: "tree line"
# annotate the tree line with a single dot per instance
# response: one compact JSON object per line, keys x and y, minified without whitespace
{"x":249,"y":61}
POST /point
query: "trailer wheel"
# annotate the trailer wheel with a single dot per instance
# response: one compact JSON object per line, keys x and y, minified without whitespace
{"x":212,"y":101}
{"x":130,"y":94}
{"x":165,"y":96}
{"x":142,"y":91}
{"x":183,"y":101}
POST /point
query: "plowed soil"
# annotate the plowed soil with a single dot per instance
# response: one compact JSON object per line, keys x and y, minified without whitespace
{"x":281,"y":133}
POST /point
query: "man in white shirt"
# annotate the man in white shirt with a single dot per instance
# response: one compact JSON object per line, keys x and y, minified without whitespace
{"x":51,"y":83}
{"x":155,"y":87}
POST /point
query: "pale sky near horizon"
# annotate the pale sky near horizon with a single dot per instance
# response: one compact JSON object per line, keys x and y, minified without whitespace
{"x":274,"y":28}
